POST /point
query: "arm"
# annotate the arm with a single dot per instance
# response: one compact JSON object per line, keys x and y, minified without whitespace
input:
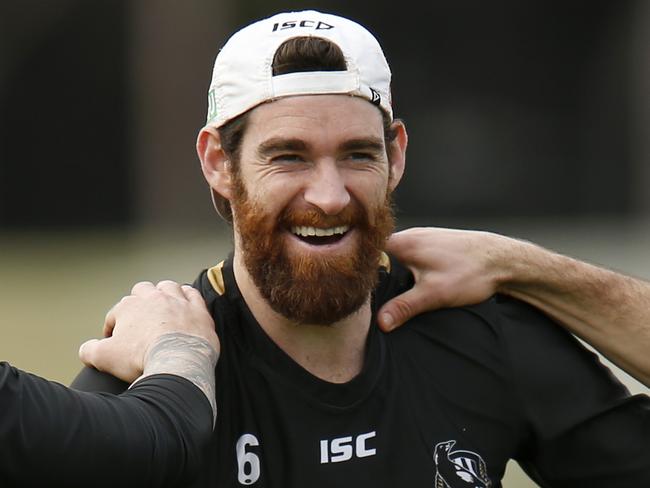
{"x":608,"y":310}
{"x":152,"y":435}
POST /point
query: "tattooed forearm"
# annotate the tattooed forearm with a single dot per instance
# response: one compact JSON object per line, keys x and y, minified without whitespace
{"x":188,"y":356}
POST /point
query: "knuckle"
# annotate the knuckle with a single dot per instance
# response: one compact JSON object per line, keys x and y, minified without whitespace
{"x":86,"y":351}
{"x":140,"y":284}
{"x":124,"y":301}
{"x":193,"y":292}
{"x":166,"y":283}
{"x":401,"y":307}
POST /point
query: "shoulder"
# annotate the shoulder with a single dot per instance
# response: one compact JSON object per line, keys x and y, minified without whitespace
{"x":453,"y":337}
{"x":211,"y":283}
{"x":515,"y":334}
{"x":205,"y":285}
{"x":222,"y":297}
{"x":542,"y":361}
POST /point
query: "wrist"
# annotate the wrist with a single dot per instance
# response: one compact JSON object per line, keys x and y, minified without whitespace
{"x":511,"y":261}
{"x":188,"y":356}
{"x":174,"y":348}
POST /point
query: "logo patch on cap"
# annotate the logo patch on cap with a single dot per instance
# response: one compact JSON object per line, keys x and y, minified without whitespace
{"x":290,"y":24}
{"x":212,"y":104}
{"x":376,"y":97}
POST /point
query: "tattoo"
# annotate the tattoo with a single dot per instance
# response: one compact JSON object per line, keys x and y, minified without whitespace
{"x":190,"y":357}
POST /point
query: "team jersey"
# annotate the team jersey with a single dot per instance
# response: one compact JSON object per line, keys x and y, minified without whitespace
{"x":443,"y":402}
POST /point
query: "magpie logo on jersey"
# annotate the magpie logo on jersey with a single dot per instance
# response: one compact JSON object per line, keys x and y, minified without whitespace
{"x":459,"y":469}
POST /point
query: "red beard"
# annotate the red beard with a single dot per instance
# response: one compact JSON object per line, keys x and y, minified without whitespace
{"x":319,"y":290}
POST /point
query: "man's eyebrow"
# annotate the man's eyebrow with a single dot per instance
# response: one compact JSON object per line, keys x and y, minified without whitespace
{"x":279,"y":144}
{"x":365,"y":144}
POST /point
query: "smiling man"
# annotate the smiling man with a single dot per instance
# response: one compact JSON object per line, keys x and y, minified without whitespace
{"x":301,"y":152}
{"x":309,"y":191}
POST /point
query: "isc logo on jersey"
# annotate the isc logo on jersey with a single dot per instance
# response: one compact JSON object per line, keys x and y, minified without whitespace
{"x":345,"y":448}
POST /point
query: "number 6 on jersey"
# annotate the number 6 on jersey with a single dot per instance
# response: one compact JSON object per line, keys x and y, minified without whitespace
{"x":248,"y":463}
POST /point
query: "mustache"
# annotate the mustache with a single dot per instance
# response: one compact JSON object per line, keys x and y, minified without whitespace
{"x":351,"y":215}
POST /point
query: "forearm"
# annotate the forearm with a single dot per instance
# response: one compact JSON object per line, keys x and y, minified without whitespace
{"x":187,"y":356}
{"x":608,"y":310}
{"x":150,"y":436}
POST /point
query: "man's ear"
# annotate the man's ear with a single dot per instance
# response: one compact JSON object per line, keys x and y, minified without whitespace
{"x":397,"y":153}
{"x":214,"y":162}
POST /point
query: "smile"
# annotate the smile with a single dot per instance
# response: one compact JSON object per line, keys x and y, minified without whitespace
{"x":319,"y":236}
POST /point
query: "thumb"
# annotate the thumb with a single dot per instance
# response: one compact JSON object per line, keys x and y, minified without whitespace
{"x":405,"y":306}
{"x":106,"y":354}
{"x":87,"y":352}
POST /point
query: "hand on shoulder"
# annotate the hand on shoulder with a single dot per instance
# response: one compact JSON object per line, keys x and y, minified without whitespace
{"x":145,"y":319}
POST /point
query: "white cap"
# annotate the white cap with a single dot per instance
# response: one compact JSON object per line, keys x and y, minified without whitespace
{"x":242,"y":77}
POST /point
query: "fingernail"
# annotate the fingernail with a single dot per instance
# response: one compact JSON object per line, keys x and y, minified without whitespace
{"x":388,"y":320}
{"x":81,"y":349}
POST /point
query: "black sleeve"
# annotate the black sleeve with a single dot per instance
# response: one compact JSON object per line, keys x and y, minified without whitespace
{"x":587,"y":429}
{"x":152,"y":435}
{"x":90,"y":379}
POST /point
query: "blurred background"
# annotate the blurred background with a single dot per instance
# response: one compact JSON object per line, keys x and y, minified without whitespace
{"x":526,"y":118}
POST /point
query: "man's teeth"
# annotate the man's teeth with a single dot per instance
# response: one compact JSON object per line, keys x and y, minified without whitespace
{"x":315,"y":231}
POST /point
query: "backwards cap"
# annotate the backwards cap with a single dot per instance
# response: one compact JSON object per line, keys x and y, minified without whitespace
{"x":243,"y":78}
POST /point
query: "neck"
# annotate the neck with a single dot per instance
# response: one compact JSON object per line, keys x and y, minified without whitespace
{"x":332,"y":353}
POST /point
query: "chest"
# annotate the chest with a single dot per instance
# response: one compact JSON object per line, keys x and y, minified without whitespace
{"x":407,"y":429}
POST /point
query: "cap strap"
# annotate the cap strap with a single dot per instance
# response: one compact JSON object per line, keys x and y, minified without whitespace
{"x":320,"y":82}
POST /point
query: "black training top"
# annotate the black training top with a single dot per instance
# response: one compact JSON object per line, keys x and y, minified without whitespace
{"x":444,"y":402}
{"x":152,"y":435}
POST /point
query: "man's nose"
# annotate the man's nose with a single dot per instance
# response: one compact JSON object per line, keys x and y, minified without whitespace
{"x":326,"y":189}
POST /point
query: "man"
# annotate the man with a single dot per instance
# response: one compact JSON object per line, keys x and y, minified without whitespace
{"x":608,"y":310}
{"x":302,"y":152}
{"x":153,"y":434}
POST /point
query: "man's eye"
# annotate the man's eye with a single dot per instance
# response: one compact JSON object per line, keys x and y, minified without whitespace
{"x":362,"y":156}
{"x":287,"y":158}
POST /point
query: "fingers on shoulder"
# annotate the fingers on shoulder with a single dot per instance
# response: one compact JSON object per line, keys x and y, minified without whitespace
{"x":412,"y":239}
{"x":170,"y":287}
{"x":192,"y":294}
{"x":410,"y":303}
{"x":147,"y":289}
{"x":143,"y":288}
{"x":117,"y":309}
{"x":398,"y":238}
